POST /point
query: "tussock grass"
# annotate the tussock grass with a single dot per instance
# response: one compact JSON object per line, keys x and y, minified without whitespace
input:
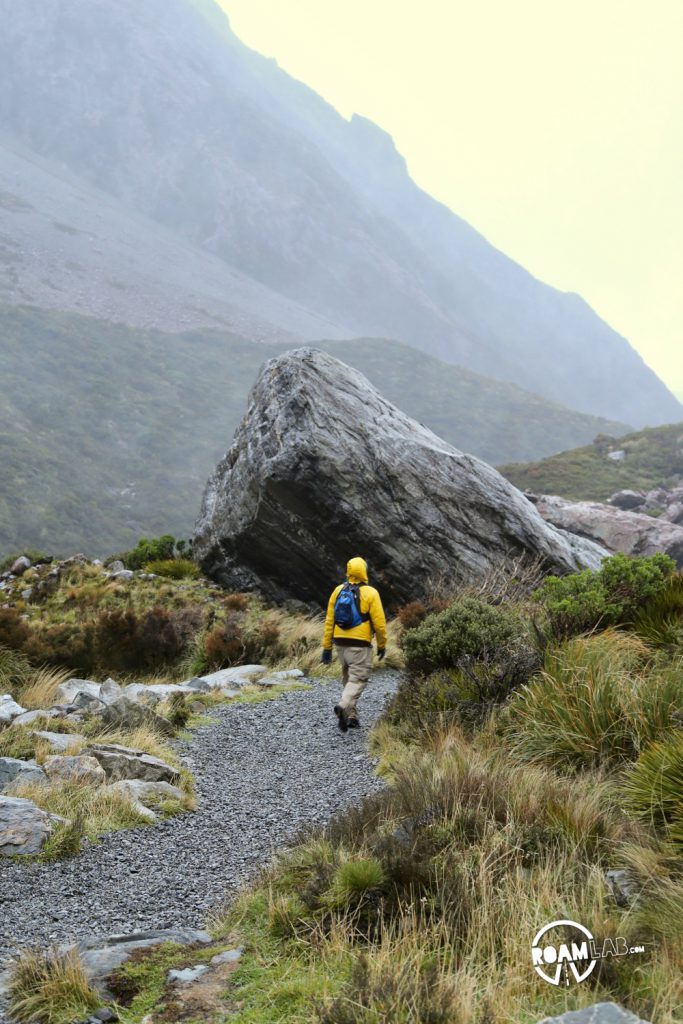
{"x":98,"y":809}
{"x":38,"y":691}
{"x":600,"y":700}
{"x":49,"y":987}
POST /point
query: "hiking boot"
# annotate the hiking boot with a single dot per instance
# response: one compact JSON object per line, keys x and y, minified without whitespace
{"x":353,"y":723}
{"x":341,"y":717}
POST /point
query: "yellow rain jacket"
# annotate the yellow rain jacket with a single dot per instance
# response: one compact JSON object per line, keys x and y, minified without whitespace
{"x":370,"y":604}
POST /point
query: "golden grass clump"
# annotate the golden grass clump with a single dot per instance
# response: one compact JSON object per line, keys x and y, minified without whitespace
{"x":50,"y":987}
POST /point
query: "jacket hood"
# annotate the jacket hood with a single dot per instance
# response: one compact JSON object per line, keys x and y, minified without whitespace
{"x":357,"y":570}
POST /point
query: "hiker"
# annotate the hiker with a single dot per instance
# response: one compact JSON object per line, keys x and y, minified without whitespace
{"x":354,"y":614}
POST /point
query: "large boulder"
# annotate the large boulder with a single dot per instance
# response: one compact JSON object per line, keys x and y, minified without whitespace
{"x":80,"y":768}
{"x":127,"y":714}
{"x":628,"y":532}
{"x":323,"y":467}
{"x":24,"y":828}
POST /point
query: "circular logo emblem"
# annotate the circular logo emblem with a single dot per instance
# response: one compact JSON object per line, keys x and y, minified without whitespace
{"x":573,"y":955}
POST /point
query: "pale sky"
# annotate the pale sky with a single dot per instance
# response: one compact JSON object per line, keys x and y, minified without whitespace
{"x":554,"y":127}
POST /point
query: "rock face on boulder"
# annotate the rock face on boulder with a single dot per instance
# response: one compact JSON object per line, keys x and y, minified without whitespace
{"x":628,"y":532}
{"x":127,"y":763}
{"x":14,"y":770}
{"x":323,"y":468}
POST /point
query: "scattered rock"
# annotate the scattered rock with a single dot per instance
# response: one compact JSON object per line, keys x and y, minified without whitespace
{"x":629,"y":532}
{"x":622,"y":886}
{"x":80,"y":768}
{"x":59,"y":741}
{"x":323,"y":467}
{"x":116,"y":566}
{"x":139,"y":792}
{"x":12,"y":769}
{"x":123,"y":574}
{"x":101,"y":957}
{"x":599,"y":1013}
{"x":127,"y":763}
{"x":19,"y":567}
{"x":9,"y":709}
{"x":66,"y":692}
{"x":674,"y":513}
{"x":627,"y":499}
{"x":126,"y":714}
{"x":239,"y":675}
{"x":29,"y":717}
{"x":230,"y":956}
{"x":187,"y":975}
{"x":24,"y":828}
{"x":617,"y":456}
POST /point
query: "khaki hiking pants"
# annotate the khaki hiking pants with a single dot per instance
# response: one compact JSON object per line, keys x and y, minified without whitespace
{"x":356,"y":663}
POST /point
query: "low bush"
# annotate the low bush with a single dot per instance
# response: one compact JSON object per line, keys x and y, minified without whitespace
{"x":149,"y":550}
{"x":600,"y":700}
{"x":67,"y":644}
{"x":240,"y":638}
{"x":613,"y":596}
{"x":13,"y":630}
{"x":464,"y":660}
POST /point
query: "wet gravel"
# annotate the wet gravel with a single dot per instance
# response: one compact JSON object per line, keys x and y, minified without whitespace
{"x":263,"y":771}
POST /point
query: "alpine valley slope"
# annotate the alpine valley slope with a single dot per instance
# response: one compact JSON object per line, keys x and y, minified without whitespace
{"x":160,"y":106}
{"x":108,"y":432}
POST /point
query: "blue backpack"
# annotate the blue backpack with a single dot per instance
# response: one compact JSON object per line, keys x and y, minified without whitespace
{"x":347,"y":613}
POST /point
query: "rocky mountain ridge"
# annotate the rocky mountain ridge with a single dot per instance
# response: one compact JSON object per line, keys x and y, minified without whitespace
{"x":160,"y":106}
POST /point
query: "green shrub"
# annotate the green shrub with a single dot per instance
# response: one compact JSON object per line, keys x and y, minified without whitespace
{"x":599,"y":701}
{"x":149,"y":550}
{"x":464,"y":660}
{"x":660,"y":620}
{"x":612,"y":596}
{"x":654,"y":786}
{"x":173,"y":568}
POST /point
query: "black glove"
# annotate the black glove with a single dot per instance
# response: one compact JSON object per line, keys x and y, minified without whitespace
{"x":381,"y":651}
{"x":326,"y":657}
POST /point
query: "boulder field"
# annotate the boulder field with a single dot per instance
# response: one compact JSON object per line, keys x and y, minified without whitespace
{"x":323,"y":467}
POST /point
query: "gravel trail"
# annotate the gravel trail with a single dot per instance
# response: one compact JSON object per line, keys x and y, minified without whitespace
{"x":262,"y":772}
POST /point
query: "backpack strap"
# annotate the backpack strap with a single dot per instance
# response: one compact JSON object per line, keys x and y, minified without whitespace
{"x":355,"y":588}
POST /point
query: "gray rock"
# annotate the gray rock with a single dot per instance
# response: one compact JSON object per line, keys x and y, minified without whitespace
{"x":85,"y":702}
{"x":127,"y":714}
{"x":14,"y":770}
{"x":127,"y":763}
{"x":140,"y":693}
{"x":79,"y":768}
{"x":116,"y":566}
{"x":29,"y":717}
{"x":187,"y":975}
{"x":628,"y":532}
{"x":231,"y":956}
{"x":101,"y":957}
{"x":24,"y":828}
{"x":239,"y":675}
{"x":123,"y":574}
{"x":323,"y":467}
{"x":674,"y":513}
{"x":59,"y":741}
{"x":599,"y":1013}
{"x":144,"y":792}
{"x":288,"y":673}
{"x":27,"y":594}
{"x":617,"y":456}
{"x":74,"y":692}
{"x":656,"y":498}
{"x":627,"y":499}
{"x":9,"y":709}
{"x":19,"y":567}
{"x":622,"y":886}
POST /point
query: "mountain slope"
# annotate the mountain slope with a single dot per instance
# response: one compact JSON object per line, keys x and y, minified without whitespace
{"x":652,"y":458}
{"x":160,"y":105}
{"x":109,"y":432}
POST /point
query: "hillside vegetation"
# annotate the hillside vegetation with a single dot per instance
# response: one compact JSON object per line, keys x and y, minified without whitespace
{"x":108,"y":432}
{"x":653,"y":458}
